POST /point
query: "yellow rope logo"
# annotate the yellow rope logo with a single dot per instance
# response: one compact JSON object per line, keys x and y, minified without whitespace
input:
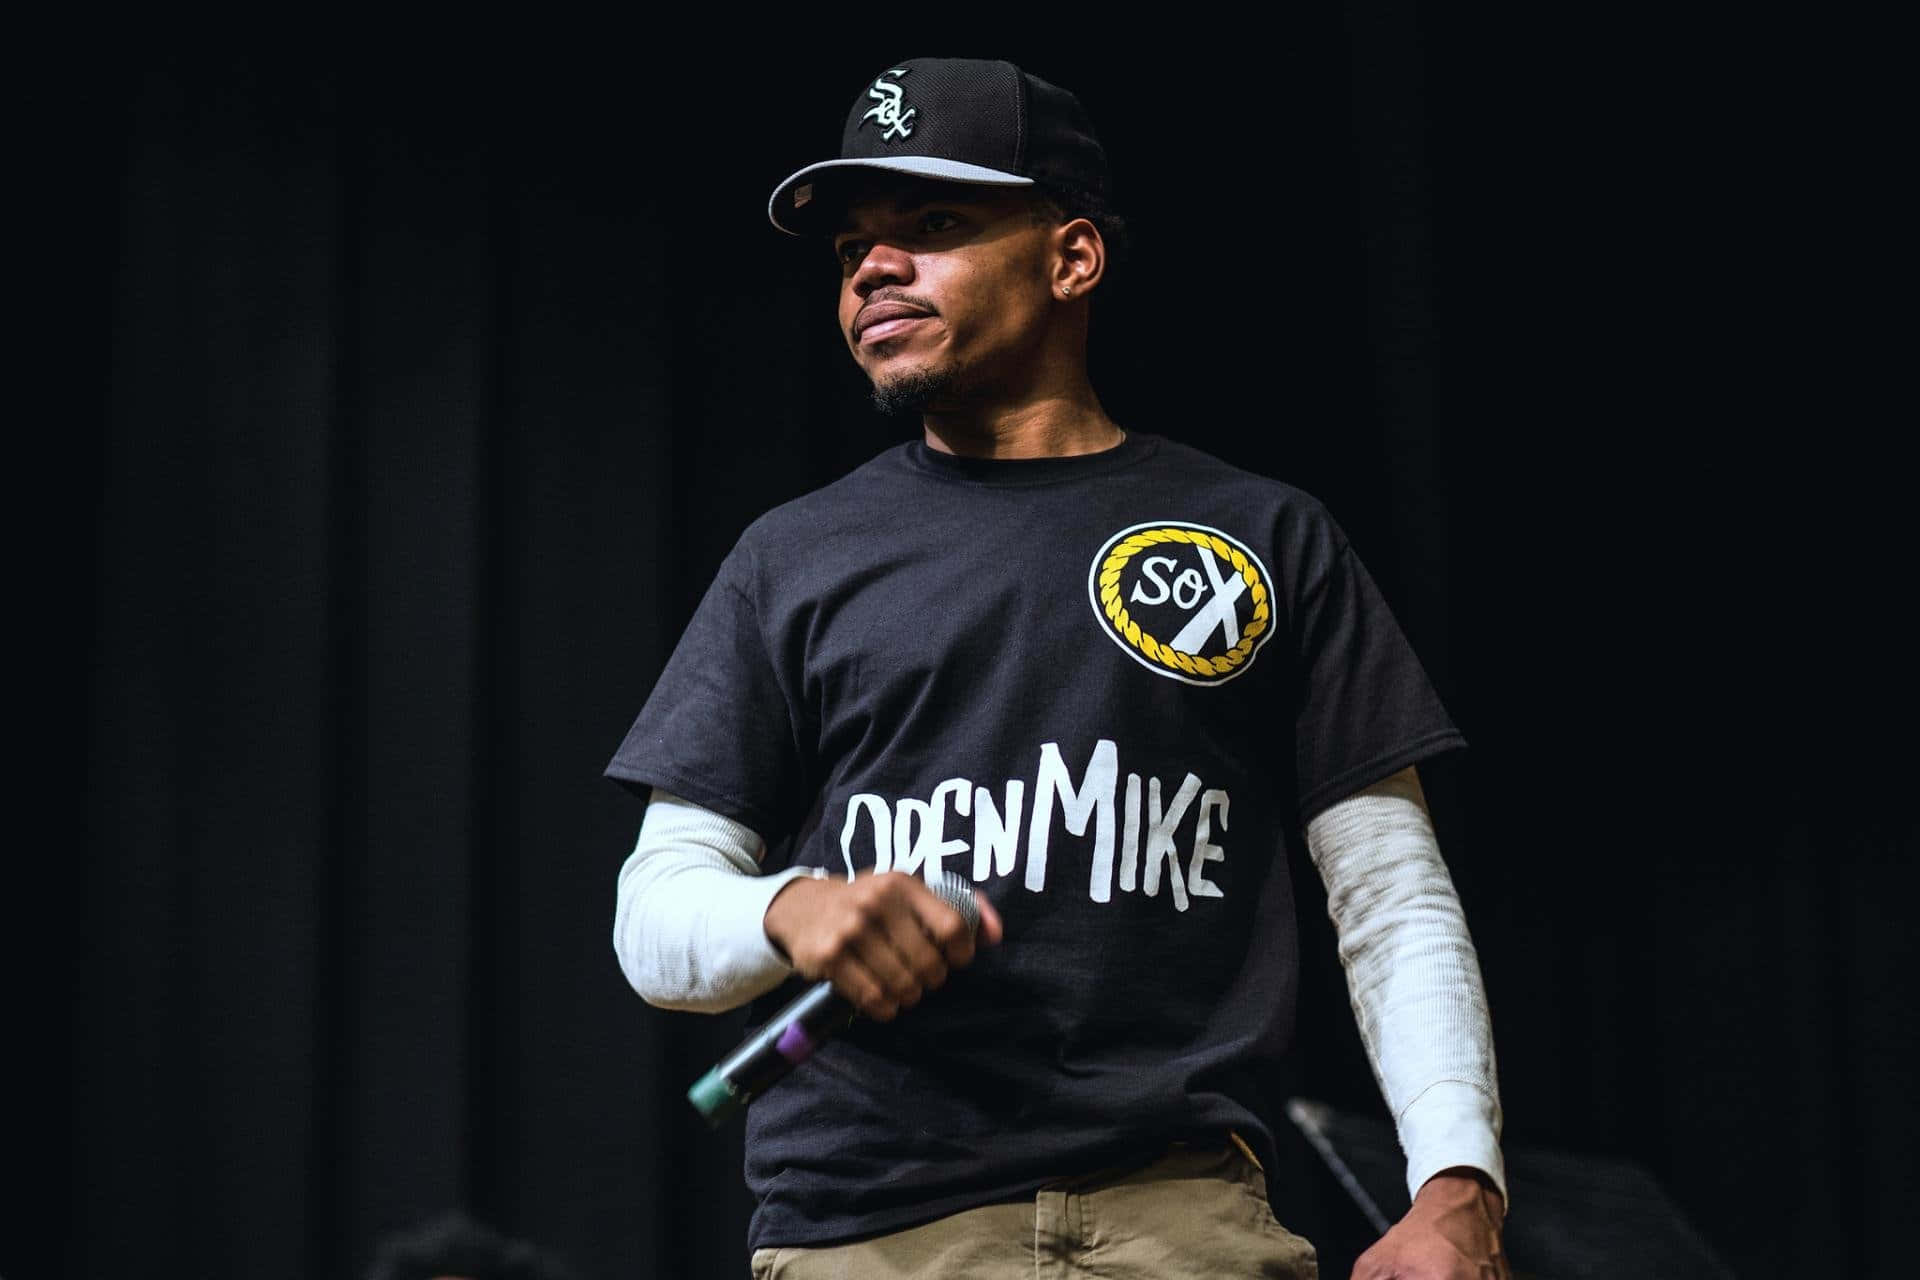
{"x":1183,"y":600}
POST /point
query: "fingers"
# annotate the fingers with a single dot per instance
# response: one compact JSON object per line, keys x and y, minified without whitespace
{"x":923,"y":947}
{"x":911,"y":937}
{"x":991,"y":928}
{"x":895,"y":940}
{"x":870,"y":993}
{"x":938,"y":922}
{"x":898,"y":984}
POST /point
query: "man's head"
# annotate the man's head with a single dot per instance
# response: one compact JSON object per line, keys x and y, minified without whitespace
{"x":957,"y":292}
{"x":970,"y":217}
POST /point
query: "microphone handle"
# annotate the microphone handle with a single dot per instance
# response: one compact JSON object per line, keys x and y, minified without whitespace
{"x":788,"y":1039}
{"x":791,"y":1036}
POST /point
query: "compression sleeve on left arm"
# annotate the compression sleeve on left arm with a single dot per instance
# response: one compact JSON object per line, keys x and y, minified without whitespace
{"x":1413,"y":977}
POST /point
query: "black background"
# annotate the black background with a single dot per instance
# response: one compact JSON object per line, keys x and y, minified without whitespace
{"x":420,"y":380}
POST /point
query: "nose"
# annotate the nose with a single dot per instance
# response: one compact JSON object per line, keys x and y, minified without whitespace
{"x":883,"y":264}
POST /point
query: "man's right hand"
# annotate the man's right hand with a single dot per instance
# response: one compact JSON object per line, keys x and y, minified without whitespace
{"x":884,"y":940}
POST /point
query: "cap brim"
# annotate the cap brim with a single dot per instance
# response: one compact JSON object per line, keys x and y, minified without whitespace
{"x":798,"y":209}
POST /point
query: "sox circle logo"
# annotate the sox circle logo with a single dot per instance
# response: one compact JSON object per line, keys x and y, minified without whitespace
{"x":1186,"y":601}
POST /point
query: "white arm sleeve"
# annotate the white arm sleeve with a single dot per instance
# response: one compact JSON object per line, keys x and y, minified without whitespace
{"x":689,"y":920}
{"x":1413,"y":977}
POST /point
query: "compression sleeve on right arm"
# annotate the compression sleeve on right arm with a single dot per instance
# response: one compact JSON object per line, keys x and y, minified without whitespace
{"x":689,"y":917}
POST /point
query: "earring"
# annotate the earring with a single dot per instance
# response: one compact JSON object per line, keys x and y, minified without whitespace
{"x":1065,"y":289}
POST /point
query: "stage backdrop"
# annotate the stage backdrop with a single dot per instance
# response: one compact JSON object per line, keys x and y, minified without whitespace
{"x":430,"y":385}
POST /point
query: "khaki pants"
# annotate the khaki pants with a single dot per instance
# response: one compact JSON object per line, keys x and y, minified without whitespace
{"x":1194,"y":1213}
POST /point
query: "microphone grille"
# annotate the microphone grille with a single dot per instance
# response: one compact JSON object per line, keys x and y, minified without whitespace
{"x":957,"y":892}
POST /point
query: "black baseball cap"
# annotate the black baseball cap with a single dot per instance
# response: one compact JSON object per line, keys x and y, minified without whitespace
{"x":955,"y":120}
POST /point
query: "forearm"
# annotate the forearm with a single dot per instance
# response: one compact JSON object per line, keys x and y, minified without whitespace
{"x":1413,"y":977}
{"x":689,"y":915}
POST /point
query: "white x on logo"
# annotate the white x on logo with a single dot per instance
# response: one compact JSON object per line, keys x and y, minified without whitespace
{"x":1216,"y":612}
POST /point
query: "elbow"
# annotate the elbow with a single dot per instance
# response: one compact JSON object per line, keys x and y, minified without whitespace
{"x":694,"y":941}
{"x":659,"y":994}
{"x":675,"y":988}
{"x":650,"y":981}
{"x":670,"y":1000}
{"x":647,"y":979}
{"x":681,"y":999}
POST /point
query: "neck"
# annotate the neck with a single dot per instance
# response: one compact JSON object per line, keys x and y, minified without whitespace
{"x":1061,"y":424}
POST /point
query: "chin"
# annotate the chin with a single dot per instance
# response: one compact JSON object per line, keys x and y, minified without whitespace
{"x":887,"y":373}
{"x":904,"y":368}
{"x":910,"y":390}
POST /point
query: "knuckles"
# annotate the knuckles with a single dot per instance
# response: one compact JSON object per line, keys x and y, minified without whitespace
{"x":886,"y":887}
{"x":885,"y":907}
{"x":932,"y":974}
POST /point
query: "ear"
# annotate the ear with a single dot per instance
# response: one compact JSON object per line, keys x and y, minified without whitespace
{"x":1079,"y":259}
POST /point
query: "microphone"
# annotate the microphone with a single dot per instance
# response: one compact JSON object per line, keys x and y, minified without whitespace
{"x":791,"y":1036}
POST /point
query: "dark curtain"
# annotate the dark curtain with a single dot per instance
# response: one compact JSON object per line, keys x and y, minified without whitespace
{"x":424,"y":387}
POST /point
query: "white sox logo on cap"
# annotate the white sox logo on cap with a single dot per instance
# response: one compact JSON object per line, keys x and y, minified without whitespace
{"x":889,"y":94}
{"x":981,"y":121}
{"x":1184,"y":600}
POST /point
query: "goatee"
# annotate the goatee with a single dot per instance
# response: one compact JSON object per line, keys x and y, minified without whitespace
{"x":911,"y":392}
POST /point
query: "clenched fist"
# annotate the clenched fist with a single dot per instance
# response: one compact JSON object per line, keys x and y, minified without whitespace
{"x":1451,"y":1233}
{"x":884,"y":940}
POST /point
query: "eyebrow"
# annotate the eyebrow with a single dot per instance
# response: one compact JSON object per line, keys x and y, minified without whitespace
{"x":910,"y":200}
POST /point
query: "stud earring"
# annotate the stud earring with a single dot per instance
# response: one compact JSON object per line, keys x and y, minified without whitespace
{"x":1065,"y":289}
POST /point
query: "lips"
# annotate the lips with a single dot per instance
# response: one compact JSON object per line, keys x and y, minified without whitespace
{"x":880,"y":312}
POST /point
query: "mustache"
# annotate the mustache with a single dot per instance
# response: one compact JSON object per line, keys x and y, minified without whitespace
{"x":879,"y":296}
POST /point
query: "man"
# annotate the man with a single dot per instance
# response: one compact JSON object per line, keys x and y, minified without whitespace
{"x":1107,"y":678}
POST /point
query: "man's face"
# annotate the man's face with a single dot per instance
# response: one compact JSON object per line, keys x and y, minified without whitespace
{"x":944,"y":288}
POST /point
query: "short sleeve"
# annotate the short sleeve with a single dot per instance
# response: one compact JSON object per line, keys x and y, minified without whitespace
{"x":1366,"y":706}
{"x":718,"y":727}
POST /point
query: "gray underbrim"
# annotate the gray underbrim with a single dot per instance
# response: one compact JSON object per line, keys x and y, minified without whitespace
{"x":800,"y":223}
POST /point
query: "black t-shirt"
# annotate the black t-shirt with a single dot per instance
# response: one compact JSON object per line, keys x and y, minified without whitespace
{"x":1111,"y":689}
